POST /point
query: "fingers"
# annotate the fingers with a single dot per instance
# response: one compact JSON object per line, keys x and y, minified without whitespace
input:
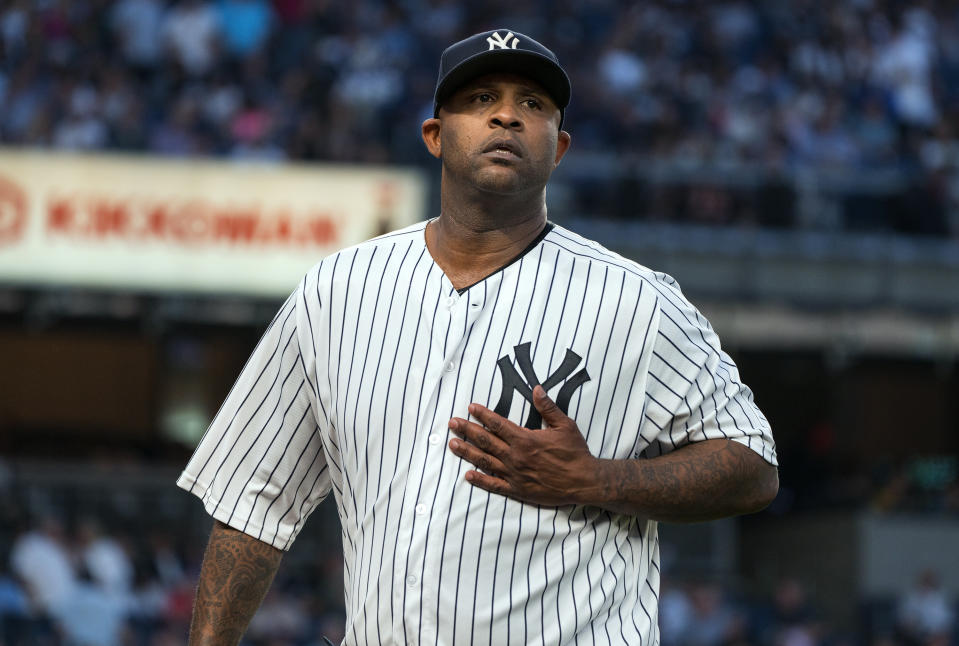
{"x":495,"y":424}
{"x":478,"y":436}
{"x":547,"y":407}
{"x":489,"y":483}
{"x":480,"y":459}
{"x":478,"y":447}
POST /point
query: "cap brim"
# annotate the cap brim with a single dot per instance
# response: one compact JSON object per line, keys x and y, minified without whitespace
{"x":530,"y":64}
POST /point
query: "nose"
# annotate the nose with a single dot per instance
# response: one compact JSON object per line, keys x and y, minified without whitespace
{"x":506,"y":116}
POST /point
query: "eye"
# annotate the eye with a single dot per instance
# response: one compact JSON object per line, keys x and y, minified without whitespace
{"x":533,"y":103}
{"x":484,"y":97}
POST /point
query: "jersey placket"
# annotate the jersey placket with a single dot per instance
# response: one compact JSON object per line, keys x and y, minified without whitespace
{"x":430,"y":460}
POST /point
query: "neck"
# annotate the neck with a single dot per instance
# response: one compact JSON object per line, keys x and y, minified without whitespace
{"x":477,"y":233}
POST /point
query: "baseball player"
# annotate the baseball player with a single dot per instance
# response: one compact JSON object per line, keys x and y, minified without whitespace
{"x":502,"y":409}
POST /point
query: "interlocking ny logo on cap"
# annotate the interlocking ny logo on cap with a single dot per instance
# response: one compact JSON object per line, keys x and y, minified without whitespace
{"x":502,"y":42}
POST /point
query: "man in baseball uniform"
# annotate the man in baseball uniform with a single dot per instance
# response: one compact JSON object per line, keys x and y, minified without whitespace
{"x":502,"y":409}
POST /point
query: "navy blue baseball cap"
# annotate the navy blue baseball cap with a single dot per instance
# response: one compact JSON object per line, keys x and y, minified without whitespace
{"x":501,"y":50}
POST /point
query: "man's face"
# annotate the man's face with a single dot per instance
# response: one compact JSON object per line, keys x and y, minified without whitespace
{"x":500,"y":133}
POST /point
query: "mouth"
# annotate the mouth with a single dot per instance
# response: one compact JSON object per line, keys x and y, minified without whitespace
{"x":503,"y":149}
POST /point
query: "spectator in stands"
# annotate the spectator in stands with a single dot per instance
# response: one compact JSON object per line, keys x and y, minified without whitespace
{"x":136,"y":25}
{"x":714,"y":621}
{"x":14,"y":22}
{"x":25,"y":96}
{"x":41,"y":559}
{"x":148,"y":604}
{"x":13,"y":600}
{"x":246,"y":26}
{"x":104,"y":558}
{"x":904,"y":64}
{"x":675,"y":614}
{"x":164,"y":561}
{"x":16,"y":620}
{"x":191,"y":33}
{"x":91,"y":615}
{"x":876,"y":132}
{"x":252,"y":128}
{"x":178,"y":134}
{"x":793,"y":621}
{"x":281,"y":617}
{"x":924,"y":614}
{"x":83,"y":127}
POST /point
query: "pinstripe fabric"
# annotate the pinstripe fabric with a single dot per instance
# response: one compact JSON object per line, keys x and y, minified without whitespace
{"x":350,"y":391}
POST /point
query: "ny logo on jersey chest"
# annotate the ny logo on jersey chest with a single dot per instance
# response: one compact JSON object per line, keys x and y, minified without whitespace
{"x":514,"y":382}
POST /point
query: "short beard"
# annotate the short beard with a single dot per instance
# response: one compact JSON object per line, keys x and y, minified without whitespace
{"x":487,"y":180}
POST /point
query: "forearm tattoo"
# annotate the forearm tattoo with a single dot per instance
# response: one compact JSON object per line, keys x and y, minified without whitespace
{"x":702,"y":481}
{"x":237,"y":571}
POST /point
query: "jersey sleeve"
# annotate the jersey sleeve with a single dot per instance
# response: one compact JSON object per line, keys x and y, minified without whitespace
{"x":694,"y":391}
{"x":261,"y":467}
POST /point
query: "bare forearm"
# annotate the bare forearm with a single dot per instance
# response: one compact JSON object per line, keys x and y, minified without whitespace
{"x":698,"y":482}
{"x":236,"y":573}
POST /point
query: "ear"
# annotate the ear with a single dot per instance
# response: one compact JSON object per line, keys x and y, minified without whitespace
{"x":431,"y":136}
{"x":562,"y":145}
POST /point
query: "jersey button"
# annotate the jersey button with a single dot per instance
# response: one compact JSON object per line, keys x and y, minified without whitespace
{"x":434,"y":439}
{"x":450,"y":302}
{"x":411,"y":580}
{"x":451,"y":366}
{"x":420,"y":509}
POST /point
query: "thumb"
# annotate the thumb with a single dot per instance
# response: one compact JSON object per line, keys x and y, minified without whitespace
{"x":547,"y":407}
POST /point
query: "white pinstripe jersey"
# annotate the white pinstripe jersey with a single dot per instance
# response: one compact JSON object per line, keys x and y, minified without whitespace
{"x":352,"y":386}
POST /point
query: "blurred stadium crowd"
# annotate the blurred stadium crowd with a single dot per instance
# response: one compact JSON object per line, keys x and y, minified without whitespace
{"x":111,"y":570}
{"x":72,"y":575}
{"x":80,"y":584}
{"x":850,"y":86}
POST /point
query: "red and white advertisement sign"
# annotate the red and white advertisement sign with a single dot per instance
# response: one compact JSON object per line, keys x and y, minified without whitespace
{"x":155,"y":224}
